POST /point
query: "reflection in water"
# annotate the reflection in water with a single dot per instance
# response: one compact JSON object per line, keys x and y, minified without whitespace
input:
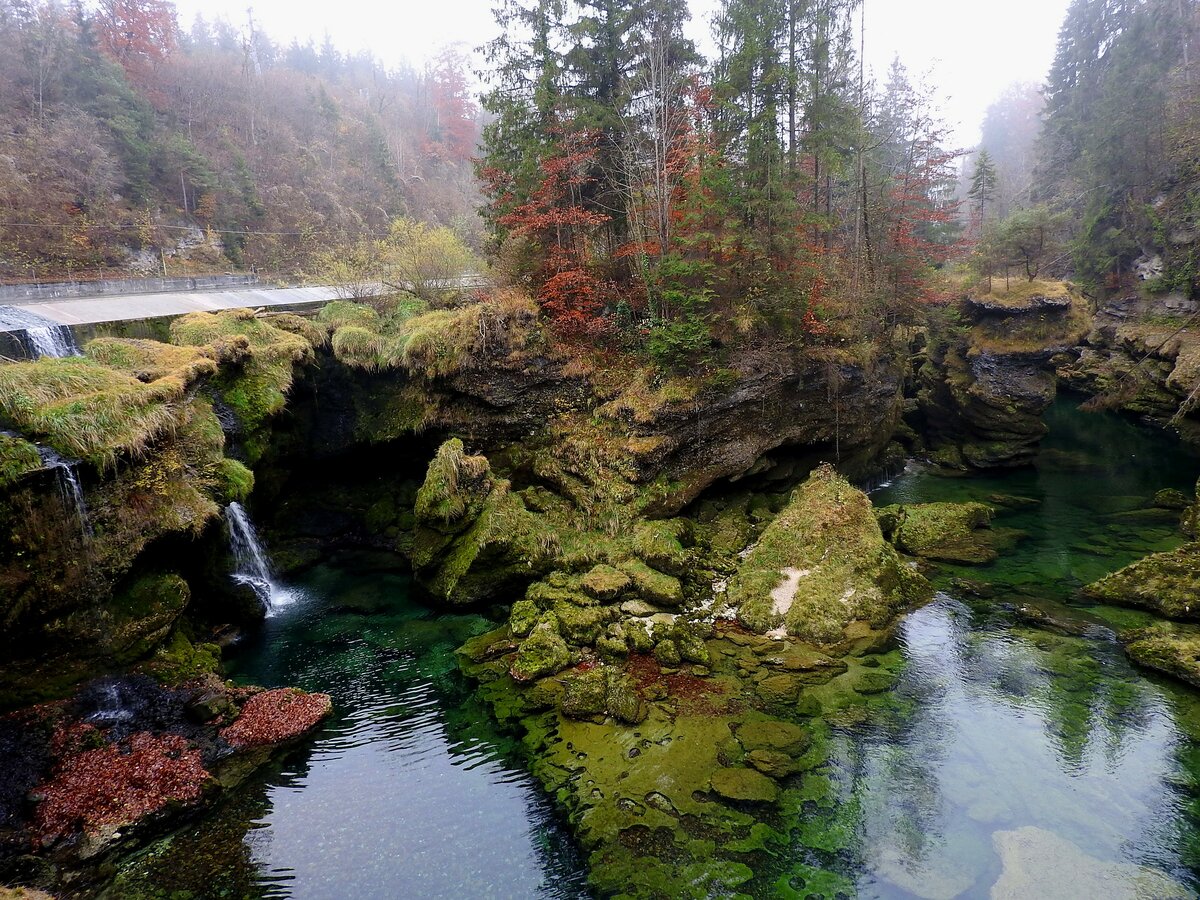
{"x":409,"y":792}
{"x":1006,"y":730}
{"x":997,"y":727}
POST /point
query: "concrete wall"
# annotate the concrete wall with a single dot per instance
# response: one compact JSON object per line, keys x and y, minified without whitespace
{"x":33,"y":293}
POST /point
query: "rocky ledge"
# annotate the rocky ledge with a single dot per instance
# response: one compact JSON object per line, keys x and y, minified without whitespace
{"x":88,"y":779}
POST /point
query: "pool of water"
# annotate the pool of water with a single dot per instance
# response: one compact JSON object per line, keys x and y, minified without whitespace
{"x":1003,"y":735}
{"x":409,"y":791}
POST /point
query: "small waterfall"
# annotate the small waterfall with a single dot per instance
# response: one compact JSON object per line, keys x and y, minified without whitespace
{"x":69,"y":487}
{"x":253,"y":564}
{"x":42,"y":336}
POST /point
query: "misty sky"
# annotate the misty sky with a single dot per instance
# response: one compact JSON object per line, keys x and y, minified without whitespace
{"x":971,"y":50}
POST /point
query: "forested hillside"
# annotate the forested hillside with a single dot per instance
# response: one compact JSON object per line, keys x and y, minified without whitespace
{"x":128,"y":137}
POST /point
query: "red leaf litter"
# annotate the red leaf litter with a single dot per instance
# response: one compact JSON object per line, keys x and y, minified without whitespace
{"x":278,"y":715}
{"x":119,"y":784}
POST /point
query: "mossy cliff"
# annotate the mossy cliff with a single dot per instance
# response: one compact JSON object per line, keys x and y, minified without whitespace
{"x":987,"y":373}
{"x":1142,"y":355}
{"x":92,"y":581}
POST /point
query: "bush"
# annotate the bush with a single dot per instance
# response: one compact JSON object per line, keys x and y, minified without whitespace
{"x":680,"y":345}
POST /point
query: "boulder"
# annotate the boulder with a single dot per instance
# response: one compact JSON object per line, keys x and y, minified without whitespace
{"x":746,"y":785}
{"x":1165,"y":583}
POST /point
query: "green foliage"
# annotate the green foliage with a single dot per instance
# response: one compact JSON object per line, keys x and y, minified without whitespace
{"x":18,"y":457}
{"x":680,"y":345}
{"x":233,"y":481}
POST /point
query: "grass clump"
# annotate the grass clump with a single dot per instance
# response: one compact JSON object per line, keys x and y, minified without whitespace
{"x":86,"y":410}
{"x":260,"y":357}
{"x":822,"y":564}
{"x":360,"y":347}
{"x":18,"y":457}
{"x":150,"y":360}
{"x":1019,"y":292}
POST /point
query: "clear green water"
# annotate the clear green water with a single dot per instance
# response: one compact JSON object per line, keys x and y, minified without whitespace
{"x":409,"y":791}
{"x":997,"y":726}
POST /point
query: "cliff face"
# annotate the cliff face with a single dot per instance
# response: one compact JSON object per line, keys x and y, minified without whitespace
{"x":94,"y":590}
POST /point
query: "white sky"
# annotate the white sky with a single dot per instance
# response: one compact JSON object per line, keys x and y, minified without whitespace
{"x":971,"y":49}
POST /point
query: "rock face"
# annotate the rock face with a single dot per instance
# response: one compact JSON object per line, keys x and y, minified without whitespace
{"x":1039,"y":863}
{"x":1165,"y":583}
{"x":985,"y":383}
{"x":950,"y":532}
{"x":822,"y":564}
{"x":1140,"y":356}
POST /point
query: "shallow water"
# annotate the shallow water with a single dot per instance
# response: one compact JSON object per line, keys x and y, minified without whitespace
{"x":409,"y":791}
{"x":996,"y":726}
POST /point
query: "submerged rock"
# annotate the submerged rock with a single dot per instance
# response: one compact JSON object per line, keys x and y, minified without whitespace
{"x":1175,"y":653}
{"x":1039,"y":863}
{"x":1165,"y":583}
{"x":822,"y":564}
{"x":746,"y":785}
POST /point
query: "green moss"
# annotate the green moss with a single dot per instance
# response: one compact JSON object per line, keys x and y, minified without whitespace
{"x":18,"y":458}
{"x":585,"y":693}
{"x":179,"y":660}
{"x":1171,"y":652}
{"x":605,"y":583}
{"x":940,"y":531}
{"x":543,"y":653}
{"x":1167,"y":583}
{"x":821,"y":564}
{"x":744,"y":785}
{"x":653,"y":586}
{"x":342,"y":313}
{"x":233,"y":481}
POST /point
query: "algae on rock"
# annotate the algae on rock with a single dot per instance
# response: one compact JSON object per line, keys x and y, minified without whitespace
{"x":822,"y":564}
{"x":1165,"y":583}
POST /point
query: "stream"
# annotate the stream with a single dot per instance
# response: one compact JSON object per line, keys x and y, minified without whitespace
{"x":1000,"y":742}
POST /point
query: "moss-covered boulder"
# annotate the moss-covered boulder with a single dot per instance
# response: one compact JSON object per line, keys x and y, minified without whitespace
{"x":1171,"y":652}
{"x":949,"y":532}
{"x":543,"y":653}
{"x":1165,"y":583}
{"x":585,"y":693}
{"x":744,"y":785}
{"x":822,"y":564}
{"x":474,"y":538}
{"x":1190,"y":522}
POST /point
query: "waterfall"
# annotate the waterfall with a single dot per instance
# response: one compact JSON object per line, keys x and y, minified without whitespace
{"x":250,"y":557}
{"x":69,"y":487}
{"x":42,"y":336}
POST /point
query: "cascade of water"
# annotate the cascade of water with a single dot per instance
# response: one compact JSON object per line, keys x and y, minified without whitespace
{"x":69,"y":487}
{"x":253,"y":564}
{"x":43,"y":337}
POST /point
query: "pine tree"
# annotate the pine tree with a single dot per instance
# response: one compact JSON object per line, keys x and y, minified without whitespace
{"x":983,"y":184}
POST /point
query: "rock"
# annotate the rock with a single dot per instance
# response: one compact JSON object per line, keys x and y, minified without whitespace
{"x":613,"y":643}
{"x":691,"y":645}
{"x":667,"y":653}
{"x":874,"y":681}
{"x":622,"y":700}
{"x":822,"y":564}
{"x":779,"y":690}
{"x":745,"y":785}
{"x":1169,"y":498}
{"x":1011,"y":501}
{"x":949,"y":532}
{"x":1039,"y":863}
{"x":585,"y":693}
{"x":543,"y":653}
{"x":772,"y":763}
{"x":581,"y":624}
{"x":774,"y":735}
{"x":1166,"y":583}
{"x":271,"y":717}
{"x":605,"y":583}
{"x":523,"y":617}
{"x":652,"y":585}
{"x":1172,"y":653}
{"x":638,"y":608}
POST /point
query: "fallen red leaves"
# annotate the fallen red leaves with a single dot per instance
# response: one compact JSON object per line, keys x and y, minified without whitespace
{"x":118,"y":784}
{"x":278,"y":715}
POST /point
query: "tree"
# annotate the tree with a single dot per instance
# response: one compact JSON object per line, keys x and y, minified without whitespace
{"x":983,"y":184}
{"x":1029,"y":238}
{"x":136,"y":34}
{"x":424,"y":259}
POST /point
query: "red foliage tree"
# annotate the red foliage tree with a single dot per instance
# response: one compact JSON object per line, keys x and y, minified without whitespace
{"x":454,"y":130}
{"x":137,"y":34}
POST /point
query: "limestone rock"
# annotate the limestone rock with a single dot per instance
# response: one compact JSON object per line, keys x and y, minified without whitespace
{"x":774,"y":735}
{"x":1166,"y":583}
{"x":1039,"y":863}
{"x":543,"y":653}
{"x":746,"y":785}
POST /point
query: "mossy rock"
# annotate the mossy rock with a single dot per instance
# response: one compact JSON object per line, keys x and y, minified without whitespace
{"x":874,"y":681}
{"x":543,"y":653}
{"x":744,"y":785}
{"x":582,"y":624}
{"x":774,"y":735}
{"x":523,"y":617}
{"x":822,"y":564}
{"x":653,"y":586}
{"x":1169,"y":498}
{"x":179,"y":660}
{"x":622,"y":699}
{"x":605,"y":583}
{"x":233,"y":481}
{"x":772,"y":763}
{"x":779,"y":690}
{"x":940,"y":531}
{"x":1172,"y":653}
{"x":18,"y":458}
{"x":585,"y":693}
{"x":1166,"y":583}
{"x":666,"y":651}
